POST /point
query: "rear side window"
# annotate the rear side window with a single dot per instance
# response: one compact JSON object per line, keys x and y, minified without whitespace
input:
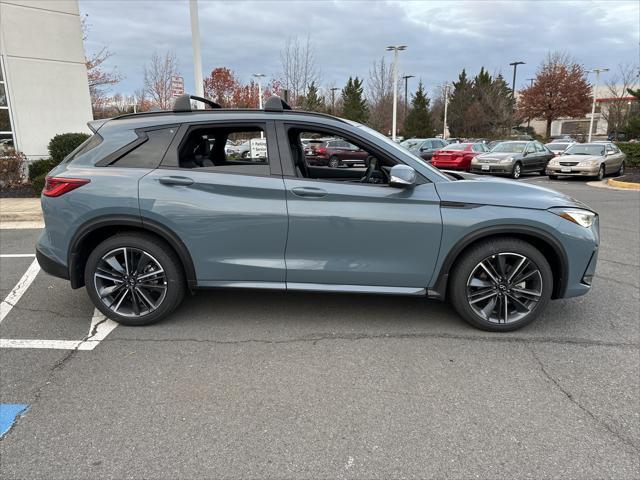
{"x":150,"y":152}
{"x":89,"y":144}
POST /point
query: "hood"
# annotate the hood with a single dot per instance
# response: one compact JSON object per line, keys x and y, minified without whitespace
{"x":497,"y":155}
{"x":476,"y":189}
{"x":579,"y":158}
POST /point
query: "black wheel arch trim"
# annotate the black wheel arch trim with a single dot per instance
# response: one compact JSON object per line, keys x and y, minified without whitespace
{"x":76,"y":267}
{"x":439,"y":289}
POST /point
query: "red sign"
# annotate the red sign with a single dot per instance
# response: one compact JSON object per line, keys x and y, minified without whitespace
{"x":177,"y":86}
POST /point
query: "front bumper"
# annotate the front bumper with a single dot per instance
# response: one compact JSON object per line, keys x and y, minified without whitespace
{"x":495,"y":168}
{"x":574,"y":170}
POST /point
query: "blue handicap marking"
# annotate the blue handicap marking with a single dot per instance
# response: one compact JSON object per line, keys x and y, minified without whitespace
{"x":8,"y":414}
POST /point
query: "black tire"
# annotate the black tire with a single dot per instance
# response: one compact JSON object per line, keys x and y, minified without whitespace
{"x":334,"y":162}
{"x":245,"y":154}
{"x":468,"y":264}
{"x":601,"y":173}
{"x":157,"y":250}
{"x":516,"y":171}
{"x":553,"y":177}
{"x":620,"y":170}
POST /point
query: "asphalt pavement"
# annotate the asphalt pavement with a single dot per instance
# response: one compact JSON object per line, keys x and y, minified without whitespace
{"x":254,"y":384}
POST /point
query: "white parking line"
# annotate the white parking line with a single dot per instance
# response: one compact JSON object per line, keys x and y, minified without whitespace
{"x":17,"y":255}
{"x":17,"y":292}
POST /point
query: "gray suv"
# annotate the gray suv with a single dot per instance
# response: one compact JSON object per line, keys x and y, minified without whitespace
{"x":151,"y":206}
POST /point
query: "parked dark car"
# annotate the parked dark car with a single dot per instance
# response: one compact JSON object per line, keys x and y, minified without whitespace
{"x":144,"y":211}
{"x":513,"y":158}
{"x":558,"y":148}
{"x":424,"y":147}
{"x":457,"y":156}
{"x":334,"y":153}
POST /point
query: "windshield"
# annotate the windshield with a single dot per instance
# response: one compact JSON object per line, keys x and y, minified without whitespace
{"x":397,"y":148}
{"x":411,"y":143}
{"x":586,"y":150}
{"x":456,"y":146}
{"x":510,"y":147}
{"x":557,"y":147}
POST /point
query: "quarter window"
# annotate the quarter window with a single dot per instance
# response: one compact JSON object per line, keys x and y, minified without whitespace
{"x":149,"y":154}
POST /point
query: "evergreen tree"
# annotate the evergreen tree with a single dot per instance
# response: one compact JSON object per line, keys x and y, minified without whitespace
{"x":459,"y":103}
{"x":354,"y":106}
{"x":312,"y":101}
{"x":418,"y":122}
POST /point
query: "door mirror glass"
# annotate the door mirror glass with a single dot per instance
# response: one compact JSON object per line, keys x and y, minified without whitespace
{"x":402,"y":176}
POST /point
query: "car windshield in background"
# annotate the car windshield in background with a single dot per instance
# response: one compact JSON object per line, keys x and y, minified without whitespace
{"x":586,"y":150}
{"x":510,"y":147}
{"x":557,"y":147}
{"x":456,"y":146}
{"x":411,"y":143}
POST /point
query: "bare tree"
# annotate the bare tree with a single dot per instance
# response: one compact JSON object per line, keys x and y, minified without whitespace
{"x":380,"y":95}
{"x":617,"y":108}
{"x":157,"y":79}
{"x":299,"y":67}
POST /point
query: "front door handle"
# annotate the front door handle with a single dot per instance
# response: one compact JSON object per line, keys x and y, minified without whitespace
{"x":185,"y":181}
{"x":310,"y":192}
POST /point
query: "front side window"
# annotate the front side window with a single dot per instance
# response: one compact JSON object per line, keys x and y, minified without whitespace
{"x":226,"y":149}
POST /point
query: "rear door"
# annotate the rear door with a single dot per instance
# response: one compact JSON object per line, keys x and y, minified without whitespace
{"x":228,"y":210}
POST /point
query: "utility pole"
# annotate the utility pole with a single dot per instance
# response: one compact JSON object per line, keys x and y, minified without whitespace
{"x":446,"y":104}
{"x":513,"y":85}
{"x":593,"y":104}
{"x":333,"y":100}
{"x":404,"y":113}
{"x":197,"y":58}
{"x":395,"y":49}
{"x":530,"y":80}
{"x":259,"y":77}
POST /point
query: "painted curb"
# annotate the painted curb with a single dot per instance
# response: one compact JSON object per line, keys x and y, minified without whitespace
{"x":625,"y":185}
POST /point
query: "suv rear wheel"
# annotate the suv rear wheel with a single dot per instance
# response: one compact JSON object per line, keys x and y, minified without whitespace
{"x":134,"y":279}
{"x":501,"y":284}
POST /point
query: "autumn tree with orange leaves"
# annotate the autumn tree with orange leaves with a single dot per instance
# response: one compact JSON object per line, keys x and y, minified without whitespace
{"x":223,"y":87}
{"x":560,"y":89}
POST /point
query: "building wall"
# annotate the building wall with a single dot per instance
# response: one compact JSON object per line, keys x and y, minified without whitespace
{"x":45,"y":74}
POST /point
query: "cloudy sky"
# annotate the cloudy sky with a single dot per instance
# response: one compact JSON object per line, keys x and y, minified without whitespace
{"x":442,"y":36}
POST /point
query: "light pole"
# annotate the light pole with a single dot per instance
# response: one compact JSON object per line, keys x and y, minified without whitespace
{"x":395,"y":49}
{"x":530,"y":80}
{"x":593,"y":105}
{"x":446,"y":104}
{"x":513,"y":85}
{"x":259,"y":77}
{"x":404,"y":113}
{"x":333,"y":100}
{"x":197,"y":58}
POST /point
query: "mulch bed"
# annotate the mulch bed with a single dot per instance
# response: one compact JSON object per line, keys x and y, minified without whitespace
{"x":23,"y":191}
{"x":632,"y":176}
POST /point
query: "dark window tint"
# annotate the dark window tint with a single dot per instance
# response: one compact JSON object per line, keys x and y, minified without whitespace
{"x":149,"y":154}
{"x":89,"y":144}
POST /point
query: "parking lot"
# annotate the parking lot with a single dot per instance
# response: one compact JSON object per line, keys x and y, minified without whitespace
{"x":248,"y":384}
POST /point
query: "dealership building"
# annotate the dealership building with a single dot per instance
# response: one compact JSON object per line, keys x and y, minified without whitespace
{"x":43,"y":79}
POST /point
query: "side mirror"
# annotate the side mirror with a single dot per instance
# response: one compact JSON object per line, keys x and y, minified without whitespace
{"x":402,"y":176}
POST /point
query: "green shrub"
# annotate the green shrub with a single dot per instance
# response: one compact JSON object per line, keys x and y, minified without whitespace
{"x":62,"y":145}
{"x":38,"y":183}
{"x":41,"y":167}
{"x":633,"y":152}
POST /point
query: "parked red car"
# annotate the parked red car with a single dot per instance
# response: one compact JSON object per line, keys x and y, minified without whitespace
{"x":457,"y":156}
{"x":334,"y":153}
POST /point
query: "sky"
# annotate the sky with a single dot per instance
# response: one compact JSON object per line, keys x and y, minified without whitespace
{"x":442,"y":37}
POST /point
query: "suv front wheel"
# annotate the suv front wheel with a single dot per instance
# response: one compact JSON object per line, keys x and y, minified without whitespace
{"x":501,"y":284}
{"x":134,"y":279}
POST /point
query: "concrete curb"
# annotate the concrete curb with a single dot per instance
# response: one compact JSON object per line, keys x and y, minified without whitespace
{"x":20,"y":213}
{"x":605,"y":185}
{"x":624,"y":185}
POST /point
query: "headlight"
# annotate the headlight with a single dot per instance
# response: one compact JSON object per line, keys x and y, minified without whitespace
{"x":555,"y":163}
{"x":588,"y":163}
{"x":507,"y":160}
{"x":584,"y":218}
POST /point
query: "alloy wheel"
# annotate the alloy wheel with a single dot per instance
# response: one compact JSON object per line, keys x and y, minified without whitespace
{"x":130,"y":282}
{"x":601,"y":172}
{"x":504,"y":288}
{"x":334,"y":162}
{"x":516,"y":171}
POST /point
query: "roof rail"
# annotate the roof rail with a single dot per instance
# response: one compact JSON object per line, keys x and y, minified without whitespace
{"x":276,"y":104}
{"x":183,"y":103}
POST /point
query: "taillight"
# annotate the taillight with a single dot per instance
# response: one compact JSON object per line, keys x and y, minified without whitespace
{"x":56,"y":186}
{"x":321,"y":151}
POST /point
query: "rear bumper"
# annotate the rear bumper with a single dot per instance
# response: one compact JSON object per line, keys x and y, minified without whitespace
{"x":51,"y":266}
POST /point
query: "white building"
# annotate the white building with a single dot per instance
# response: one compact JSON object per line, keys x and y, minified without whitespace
{"x":43,"y":79}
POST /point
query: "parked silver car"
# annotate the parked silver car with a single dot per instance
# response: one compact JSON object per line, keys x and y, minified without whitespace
{"x":588,"y":160}
{"x":513,"y":158}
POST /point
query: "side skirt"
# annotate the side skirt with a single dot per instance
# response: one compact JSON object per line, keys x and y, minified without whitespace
{"x":314,"y":287}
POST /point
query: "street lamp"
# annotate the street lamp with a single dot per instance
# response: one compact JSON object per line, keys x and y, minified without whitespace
{"x":593,"y":105}
{"x":515,"y":67}
{"x":395,"y":49}
{"x":530,"y":80}
{"x":446,"y":104}
{"x":259,"y":77}
{"x":406,"y":81}
{"x":195,"y":43}
{"x":333,"y":100}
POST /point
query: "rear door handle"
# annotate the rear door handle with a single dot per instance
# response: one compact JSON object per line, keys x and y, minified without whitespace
{"x":310,"y":192}
{"x":176,"y":181}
